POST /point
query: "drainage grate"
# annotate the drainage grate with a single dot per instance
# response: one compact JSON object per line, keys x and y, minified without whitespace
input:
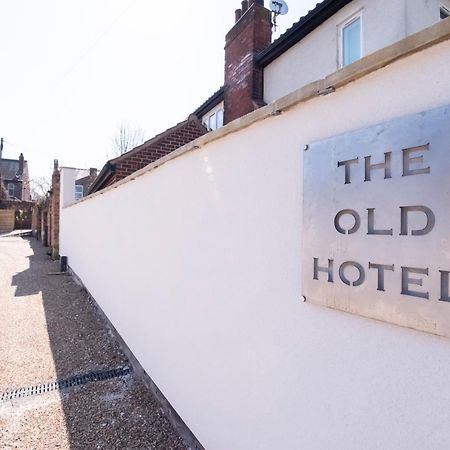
{"x":67,"y":383}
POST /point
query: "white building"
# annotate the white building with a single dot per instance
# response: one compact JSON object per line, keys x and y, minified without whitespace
{"x":210,"y":298}
{"x":331,"y":36}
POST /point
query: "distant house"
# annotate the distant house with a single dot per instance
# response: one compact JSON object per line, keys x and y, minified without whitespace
{"x":14,"y":178}
{"x":84,"y":182}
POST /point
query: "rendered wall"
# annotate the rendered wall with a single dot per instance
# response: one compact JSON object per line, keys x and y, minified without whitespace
{"x":206,"y":288}
{"x":384,"y":22}
{"x":68,"y":176}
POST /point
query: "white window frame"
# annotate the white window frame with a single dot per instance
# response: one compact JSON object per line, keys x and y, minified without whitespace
{"x":213,"y":115}
{"x":11,"y":185}
{"x":212,"y":118}
{"x":444,"y":8}
{"x":82,"y":191}
{"x":344,"y":24}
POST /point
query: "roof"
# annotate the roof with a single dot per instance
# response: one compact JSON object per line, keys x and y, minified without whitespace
{"x":168,"y":141}
{"x":322,"y":12}
{"x":209,"y":104}
{"x":9,"y":169}
{"x":103,"y":177}
{"x":316,"y":17}
{"x":155,"y":139}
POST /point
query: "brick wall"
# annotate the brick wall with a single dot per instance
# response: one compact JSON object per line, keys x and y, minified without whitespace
{"x":54,"y":218}
{"x":156,"y":148}
{"x":243,"y":78}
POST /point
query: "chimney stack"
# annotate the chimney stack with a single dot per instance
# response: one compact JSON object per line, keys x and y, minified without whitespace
{"x":21,"y":160}
{"x":92,"y":172}
{"x":251,"y":34}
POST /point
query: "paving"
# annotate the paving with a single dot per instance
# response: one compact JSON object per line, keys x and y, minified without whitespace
{"x":49,"y":332}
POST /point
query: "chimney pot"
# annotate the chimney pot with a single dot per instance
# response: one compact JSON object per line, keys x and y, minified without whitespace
{"x":244,"y":4}
{"x":238,"y":15}
{"x":92,"y":172}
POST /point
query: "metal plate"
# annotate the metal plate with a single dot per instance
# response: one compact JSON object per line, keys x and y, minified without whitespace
{"x":376,"y":223}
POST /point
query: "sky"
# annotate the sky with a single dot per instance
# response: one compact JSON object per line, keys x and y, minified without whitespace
{"x":72,"y":71}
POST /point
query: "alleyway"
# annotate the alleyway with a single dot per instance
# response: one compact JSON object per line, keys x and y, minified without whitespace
{"x":49,"y":331}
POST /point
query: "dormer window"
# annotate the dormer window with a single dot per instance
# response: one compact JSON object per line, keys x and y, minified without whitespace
{"x":214,"y":120}
{"x":11,"y":189}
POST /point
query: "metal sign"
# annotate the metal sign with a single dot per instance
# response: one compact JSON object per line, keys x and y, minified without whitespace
{"x":376,"y":222}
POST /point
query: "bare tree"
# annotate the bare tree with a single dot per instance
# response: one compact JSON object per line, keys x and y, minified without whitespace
{"x":39,"y":187}
{"x":126,"y":138}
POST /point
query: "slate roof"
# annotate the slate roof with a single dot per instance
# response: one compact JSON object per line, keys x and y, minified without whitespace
{"x":212,"y":101}
{"x":9,"y":169}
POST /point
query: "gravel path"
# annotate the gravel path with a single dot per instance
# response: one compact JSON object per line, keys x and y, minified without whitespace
{"x":49,"y":331}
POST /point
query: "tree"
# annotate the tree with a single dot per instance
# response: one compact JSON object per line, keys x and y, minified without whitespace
{"x":39,"y":187}
{"x":126,"y":138}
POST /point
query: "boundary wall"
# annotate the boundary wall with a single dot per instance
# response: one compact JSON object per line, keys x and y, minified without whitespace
{"x":206,"y":290}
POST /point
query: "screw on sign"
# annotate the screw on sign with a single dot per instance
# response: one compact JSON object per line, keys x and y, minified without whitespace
{"x":410,"y":276}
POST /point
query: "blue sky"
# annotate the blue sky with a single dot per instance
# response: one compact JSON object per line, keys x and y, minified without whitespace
{"x":72,"y":71}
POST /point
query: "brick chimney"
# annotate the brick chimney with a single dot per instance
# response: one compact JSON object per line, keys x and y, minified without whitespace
{"x":21,"y":160}
{"x":251,"y":34}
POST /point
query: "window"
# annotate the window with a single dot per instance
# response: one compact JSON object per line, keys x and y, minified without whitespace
{"x":214,"y":121}
{"x":350,"y":37}
{"x":444,"y":12}
{"x":78,"y":192}
{"x":11,"y":189}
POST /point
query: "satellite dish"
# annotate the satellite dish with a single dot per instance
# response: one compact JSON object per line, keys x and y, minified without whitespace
{"x":278,"y":8}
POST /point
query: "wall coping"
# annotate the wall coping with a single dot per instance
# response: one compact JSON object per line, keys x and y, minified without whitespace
{"x":415,"y":43}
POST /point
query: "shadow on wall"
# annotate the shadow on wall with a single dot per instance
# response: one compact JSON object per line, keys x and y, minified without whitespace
{"x":119,"y":413}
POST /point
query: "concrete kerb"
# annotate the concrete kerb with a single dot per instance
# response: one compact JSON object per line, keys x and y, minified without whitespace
{"x":169,"y":411}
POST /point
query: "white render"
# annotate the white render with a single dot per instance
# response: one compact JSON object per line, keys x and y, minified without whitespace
{"x":68,"y":180}
{"x":384,"y":22}
{"x":68,"y":176}
{"x":203,"y":281}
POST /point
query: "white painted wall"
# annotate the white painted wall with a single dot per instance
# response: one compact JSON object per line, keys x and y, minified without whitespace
{"x":423,"y":13}
{"x":204,"y":285}
{"x":68,"y":176}
{"x":384,"y":22}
